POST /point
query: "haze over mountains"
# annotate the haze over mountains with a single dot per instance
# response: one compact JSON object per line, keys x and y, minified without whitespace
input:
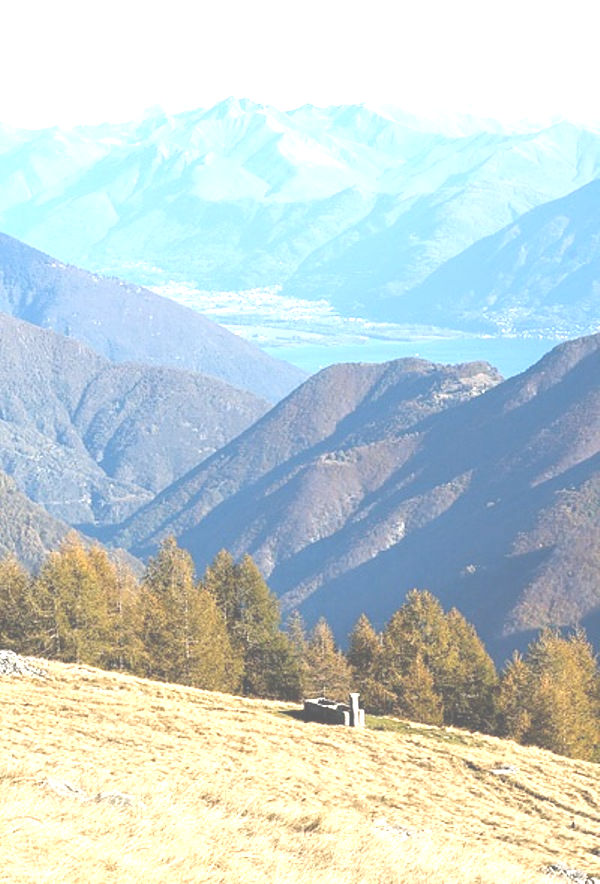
{"x":516,"y":544}
{"x":348,"y":415}
{"x":342,"y":204}
{"x":365,"y":481}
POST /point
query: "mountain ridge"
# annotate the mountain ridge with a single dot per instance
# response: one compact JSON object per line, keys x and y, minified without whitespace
{"x":540,"y":272}
{"x":343,"y":405}
{"x":126,"y":322}
{"x":91,"y":439}
{"x":27,"y":531}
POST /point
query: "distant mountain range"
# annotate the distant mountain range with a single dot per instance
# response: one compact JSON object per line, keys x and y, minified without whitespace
{"x":344,"y":204}
{"x":369,"y":480}
{"x":128,"y":323}
{"x":540,"y":273}
{"x":92,"y":440}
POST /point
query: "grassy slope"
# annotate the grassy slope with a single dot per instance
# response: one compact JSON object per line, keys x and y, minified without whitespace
{"x":230,"y":789}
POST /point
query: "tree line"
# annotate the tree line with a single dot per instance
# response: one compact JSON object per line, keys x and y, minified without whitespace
{"x":224,"y":632}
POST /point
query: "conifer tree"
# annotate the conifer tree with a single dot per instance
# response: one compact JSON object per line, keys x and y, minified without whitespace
{"x":220,"y":579}
{"x":216,"y":665}
{"x":296,"y":633}
{"x":364,"y":651}
{"x":468,"y":681}
{"x":251,"y":612}
{"x":170,"y":617}
{"x":418,"y":627}
{"x":327,"y":671}
{"x":270,"y":668}
{"x":184,"y":634}
{"x":16,"y":614}
{"x":563,"y":694}
{"x":72,"y":605}
{"x":417,"y":631}
{"x":513,"y":700}
{"x":365,"y":658}
{"x":123,"y":647}
{"x":446,"y":656}
{"x":417,"y":696}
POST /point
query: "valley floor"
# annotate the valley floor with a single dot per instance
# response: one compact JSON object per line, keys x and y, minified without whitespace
{"x":312,"y":334}
{"x":182,"y":785}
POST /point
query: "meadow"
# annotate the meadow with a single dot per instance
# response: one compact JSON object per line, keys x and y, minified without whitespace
{"x":106,"y":777}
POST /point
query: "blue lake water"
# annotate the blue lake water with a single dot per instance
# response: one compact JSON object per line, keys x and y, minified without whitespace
{"x":509,"y":355}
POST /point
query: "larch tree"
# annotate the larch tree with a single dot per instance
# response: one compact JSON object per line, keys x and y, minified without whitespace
{"x":327,"y":670}
{"x":295,"y":630}
{"x":220,"y":579}
{"x":265,"y":656}
{"x":563,"y":695}
{"x":468,"y":682}
{"x":514,"y":720}
{"x":73,"y":606}
{"x":418,"y":631}
{"x":123,"y":646}
{"x":445,"y":658}
{"x":184,"y":635}
{"x":364,"y":655}
{"x":417,"y":696}
{"x":17,"y":612}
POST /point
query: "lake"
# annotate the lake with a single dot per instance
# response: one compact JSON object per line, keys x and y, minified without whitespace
{"x":509,"y":355}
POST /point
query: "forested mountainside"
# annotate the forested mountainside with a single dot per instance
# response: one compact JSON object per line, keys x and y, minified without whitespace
{"x":127,"y":323}
{"x":343,"y":203}
{"x":27,"y":531}
{"x":296,"y":476}
{"x":91,"y":440}
{"x":492,"y":503}
{"x":513,"y":541}
{"x":539,"y":273}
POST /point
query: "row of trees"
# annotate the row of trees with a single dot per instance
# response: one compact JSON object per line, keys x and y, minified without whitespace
{"x":221,"y":633}
{"x":432,"y":667}
{"x":224,"y":633}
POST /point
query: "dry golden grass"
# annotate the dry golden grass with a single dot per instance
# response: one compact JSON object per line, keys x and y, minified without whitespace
{"x":229,"y":789}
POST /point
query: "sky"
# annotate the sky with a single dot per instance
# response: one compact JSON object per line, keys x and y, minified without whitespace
{"x":67,"y":63}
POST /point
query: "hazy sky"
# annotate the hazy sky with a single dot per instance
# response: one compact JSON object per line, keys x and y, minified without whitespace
{"x":66,"y":62}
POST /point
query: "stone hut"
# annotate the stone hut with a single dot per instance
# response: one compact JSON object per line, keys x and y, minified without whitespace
{"x":329,"y":712}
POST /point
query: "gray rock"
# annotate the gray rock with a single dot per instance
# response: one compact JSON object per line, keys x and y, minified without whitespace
{"x":66,"y":789}
{"x":69,"y":790}
{"x":558,"y":870}
{"x":117,"y":799}
{"x":392,"y":830}
{"x":13,"y":664}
